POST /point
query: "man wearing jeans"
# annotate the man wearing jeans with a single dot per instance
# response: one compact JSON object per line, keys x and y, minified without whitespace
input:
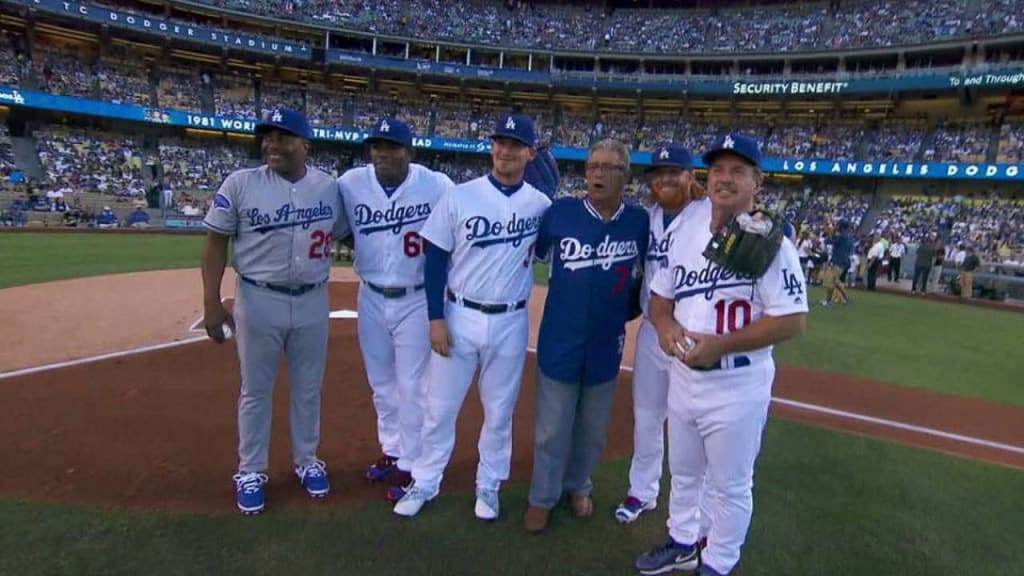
{"x":596,"y":243}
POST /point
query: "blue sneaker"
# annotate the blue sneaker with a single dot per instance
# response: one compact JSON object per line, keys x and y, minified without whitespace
{"x":249,"y":491}
{"x":314,"y":479}
{"x":706,"y":570}
{"x":669,"y":557}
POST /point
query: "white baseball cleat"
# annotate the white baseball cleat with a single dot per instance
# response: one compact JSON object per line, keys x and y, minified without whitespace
{"x":413,"y":501}
{"x":631,"y":508}
{"x":487,"y":506}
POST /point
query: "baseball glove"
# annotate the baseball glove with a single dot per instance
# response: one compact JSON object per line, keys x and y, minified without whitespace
{"x":747,"y":245}
{"x":542,"y":172}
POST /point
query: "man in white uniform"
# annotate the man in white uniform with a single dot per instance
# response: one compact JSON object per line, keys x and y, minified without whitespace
{"x":387,"y":204}
{"x":670,"y":178}
{"x":479,"y":242}
{"x":721,"y":327}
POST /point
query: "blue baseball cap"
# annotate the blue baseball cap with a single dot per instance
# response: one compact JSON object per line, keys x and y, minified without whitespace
{"x":391,"y":130}
{"x":517,"y":127}
{"x":290,"y":121}
{"x":674,"y":155}
{"x":744,"y":146}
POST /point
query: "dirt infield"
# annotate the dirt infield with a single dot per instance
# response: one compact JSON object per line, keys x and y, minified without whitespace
{"x":156,"y":430}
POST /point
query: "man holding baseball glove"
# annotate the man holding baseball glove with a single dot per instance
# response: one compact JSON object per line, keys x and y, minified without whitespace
{"x":728,"y":294}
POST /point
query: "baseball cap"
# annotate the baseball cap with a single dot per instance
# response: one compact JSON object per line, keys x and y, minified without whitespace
{"x":518,"y":127}
{"x":744,"y":146}
{"x":674,"y":155}
{"x":391,"y":130}
{"x":290,"y":121}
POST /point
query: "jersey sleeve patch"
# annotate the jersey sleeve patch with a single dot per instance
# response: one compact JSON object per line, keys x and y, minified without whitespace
{"x":221,"y":201}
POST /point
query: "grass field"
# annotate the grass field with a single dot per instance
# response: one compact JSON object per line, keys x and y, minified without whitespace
{"x":31,"y":258}
{"x":827,"y":503}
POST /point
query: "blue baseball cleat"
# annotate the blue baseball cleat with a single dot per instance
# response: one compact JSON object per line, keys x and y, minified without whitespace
{"x":314,"y":479}
{"x":669,"y":557}
{"x":249,"y":492}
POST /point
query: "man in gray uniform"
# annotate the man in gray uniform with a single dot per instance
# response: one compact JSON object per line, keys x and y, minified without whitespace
{"x":280,"y":220}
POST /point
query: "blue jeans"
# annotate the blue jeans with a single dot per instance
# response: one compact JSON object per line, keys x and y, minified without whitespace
{"x":571,"y":431}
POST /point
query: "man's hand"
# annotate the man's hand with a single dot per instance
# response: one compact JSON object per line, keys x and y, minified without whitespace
{"x":214,"y":317}
{"x":671,"y":337}
{"x":440,"y":338}
{"x":707,"y":350}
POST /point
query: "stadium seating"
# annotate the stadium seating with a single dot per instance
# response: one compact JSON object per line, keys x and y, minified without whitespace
{"x":80,"y":161}
{"x":814,"y":26}
{"x":1011,"y":143}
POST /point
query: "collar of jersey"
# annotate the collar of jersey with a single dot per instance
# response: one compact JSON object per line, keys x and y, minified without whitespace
{"x":593,"y":211}
{"x":389,"y":191}
{"x":506,"y":190}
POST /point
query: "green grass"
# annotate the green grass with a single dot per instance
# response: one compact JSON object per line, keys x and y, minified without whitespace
{"x":826,"y":504}
{"x":955,"y":349}
{"x":30,"y":258}
{"x":961,"y":350}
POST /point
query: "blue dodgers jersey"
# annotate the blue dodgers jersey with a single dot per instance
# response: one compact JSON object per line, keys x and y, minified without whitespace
{"x":593,"y":265}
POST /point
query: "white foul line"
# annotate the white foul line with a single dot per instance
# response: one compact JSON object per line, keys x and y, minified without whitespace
{"x":784,"y":401}
{"x":90,"y":359}
{"x":882,"y":422}
{"x":899,"y":425}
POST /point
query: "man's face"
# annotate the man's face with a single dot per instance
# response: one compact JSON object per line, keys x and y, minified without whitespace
{"x":510,"y":157}
{"x":606,"y":176}
{"x":670,"y":186}
{"x":283,"y":151}
{"x":733,"y":182}
{"x":390,"y":160}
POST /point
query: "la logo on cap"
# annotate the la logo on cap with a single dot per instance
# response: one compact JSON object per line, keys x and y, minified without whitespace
{"x":663,"y":154}
{"x":277,"y":116}
{"x":384,"y":126}
{"x":510,"y":123}
{"x":728,"y":142}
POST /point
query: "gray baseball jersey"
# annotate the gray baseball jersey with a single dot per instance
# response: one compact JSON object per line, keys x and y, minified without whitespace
{"x":282,"y":231}
{"x":282,"y":234}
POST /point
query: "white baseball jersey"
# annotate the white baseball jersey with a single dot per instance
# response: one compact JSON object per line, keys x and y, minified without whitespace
{"x":662,"y":238}
{"x":386,"y":228}
{"x":490,"y":236}
{"x":282,"y":231}
{"x":711,"y":300}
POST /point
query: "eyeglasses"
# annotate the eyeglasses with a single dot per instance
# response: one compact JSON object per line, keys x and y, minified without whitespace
{"x":605,"y":168}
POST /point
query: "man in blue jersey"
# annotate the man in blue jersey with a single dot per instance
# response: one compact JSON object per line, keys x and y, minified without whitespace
{"x":597,"y":243}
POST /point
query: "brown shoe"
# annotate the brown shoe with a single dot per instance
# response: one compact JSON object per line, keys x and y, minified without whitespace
{"x":536,"y":519}
{"x":582,"y":505}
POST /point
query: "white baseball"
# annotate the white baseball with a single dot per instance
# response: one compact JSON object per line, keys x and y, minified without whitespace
{"x":228,"y":332}
{"x":686,"y":345}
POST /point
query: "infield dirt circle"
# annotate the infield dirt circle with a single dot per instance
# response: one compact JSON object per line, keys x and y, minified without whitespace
{"x":156,"y":430}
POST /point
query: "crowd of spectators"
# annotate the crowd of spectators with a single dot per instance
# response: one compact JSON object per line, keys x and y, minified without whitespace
{"x":992,"y":225}
{"x":897,"y":141}
{"x":76,"y":161}
{"x":199,"y":165}
{"x":234,"y":96}
{"x":6,"y":152}
{"x":520,"y":23}
{"x":1011,"y":143}
{"x":959,"y":142}
{"x":182,"y":89}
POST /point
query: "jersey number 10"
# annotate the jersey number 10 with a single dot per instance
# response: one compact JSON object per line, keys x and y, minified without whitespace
{"x":733,"y":315}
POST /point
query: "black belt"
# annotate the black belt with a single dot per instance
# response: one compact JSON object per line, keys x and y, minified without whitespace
{"x":487,"y":308}
{"x":390,"y":292}
{"x":289,"y":290}
{"x":737,"y":362}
